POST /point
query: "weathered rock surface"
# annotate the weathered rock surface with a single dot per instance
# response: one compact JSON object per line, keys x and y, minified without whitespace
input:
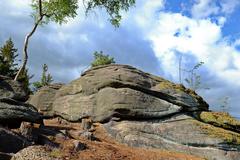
{"x":12,"y":89}
{"x":141,"y":110}
{"x":11,"y":142}
{"x":44,"y":98}
{"x":34,"y":153}
{"x":123,"y":91}
{"x":180,"y":133}
{"x":12,"y":113}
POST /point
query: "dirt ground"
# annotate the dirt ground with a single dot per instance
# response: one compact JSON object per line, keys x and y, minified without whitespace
{"x":105,"y":147}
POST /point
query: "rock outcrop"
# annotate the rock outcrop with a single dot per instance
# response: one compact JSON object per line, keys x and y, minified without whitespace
{"x":151,"y":112}
{"x":13,"y":109}
{"x":12,"y":89}
{"x":44,"y":98}
{"x":180,"y":133}
{"x":12,"y":113}
{"x":124,"y":92}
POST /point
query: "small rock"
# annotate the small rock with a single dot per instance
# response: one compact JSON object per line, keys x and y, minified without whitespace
{"x":87,"y":124}
{"x":26,"y":130}
{"x":87,"y":135}
{"x":78,"y":146}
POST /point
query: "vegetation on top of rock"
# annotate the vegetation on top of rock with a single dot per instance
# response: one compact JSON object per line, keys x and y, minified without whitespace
{"x":46,"y":79}
{"x":220,"y":119}
{"x":229,"y":137}
{"x":101,"y":59}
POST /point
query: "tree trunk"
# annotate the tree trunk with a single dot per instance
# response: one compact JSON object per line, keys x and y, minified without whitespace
{"x":26,"y":41}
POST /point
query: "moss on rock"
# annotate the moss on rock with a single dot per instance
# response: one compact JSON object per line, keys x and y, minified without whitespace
{"x":179,"y":88}
{"x":220,"y":119}
{"x":229,"y":137}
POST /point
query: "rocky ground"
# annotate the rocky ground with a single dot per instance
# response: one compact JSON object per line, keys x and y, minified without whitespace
{"x":70,"y":142}
{"x":113,"y":112}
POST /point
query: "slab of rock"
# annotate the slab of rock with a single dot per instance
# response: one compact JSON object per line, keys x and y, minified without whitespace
{"x":12,"y":113}
{"x":11,"y":142}
{"x":123,"y":91}
{"x":44,"y":98}
{"x":12,"y":89}
{"x":180,"y":133}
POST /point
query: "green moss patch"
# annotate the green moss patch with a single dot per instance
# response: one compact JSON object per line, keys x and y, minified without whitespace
{"x":181,"y":88}
{"x":56,"y":153}
{"x":229,"y":137}
{"x":220,"y":119}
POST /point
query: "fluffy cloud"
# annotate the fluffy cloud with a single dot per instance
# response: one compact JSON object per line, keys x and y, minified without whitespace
{"x":206,"y":8}
{"x":197,"y":38}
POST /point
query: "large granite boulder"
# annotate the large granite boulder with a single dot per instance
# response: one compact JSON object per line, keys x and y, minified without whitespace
{"x":180,"y":133}
{"x":12,"y":89}
{"x":124,"y":92}
{"x":12,"y":113}
{"x":11,"y":142}
{"x":44,"y":98}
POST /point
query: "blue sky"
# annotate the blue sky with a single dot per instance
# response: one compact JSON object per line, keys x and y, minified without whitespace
{"x":152,"y":37}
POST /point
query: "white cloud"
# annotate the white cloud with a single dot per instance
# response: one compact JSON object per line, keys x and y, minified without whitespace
{"x":201,"y":38}
{"x":204,"y":8}
{"x":145,"y":13}
{"x":228,"y":6}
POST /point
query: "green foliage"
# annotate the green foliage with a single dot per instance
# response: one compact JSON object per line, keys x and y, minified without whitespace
{"x":113,"y":8}
{"x":60,"y":11}
{"x":101,"y":59}
{"x":46,"y":79}
{"x":7,"y":59}
{"x":8,"y":65}
{"x":55,"y":10}
{"x":25,"y":78}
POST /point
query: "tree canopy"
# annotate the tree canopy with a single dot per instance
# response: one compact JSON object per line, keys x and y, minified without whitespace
{"x":8,"y":54}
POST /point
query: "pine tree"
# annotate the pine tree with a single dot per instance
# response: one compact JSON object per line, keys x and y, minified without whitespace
{"x":8,"y":65}
{"x":7,"y":59}
{"x":46,"y":79}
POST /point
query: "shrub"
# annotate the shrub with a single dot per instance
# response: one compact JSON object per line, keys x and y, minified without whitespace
{"x":101,"y":59}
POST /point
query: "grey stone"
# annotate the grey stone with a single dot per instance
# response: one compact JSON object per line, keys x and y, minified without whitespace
{"x":12,"y":113}
{"x":181,"y":134}
{"x":105,"y":92}
{"x":44,"y":98}
{"x":12,"y":89}
{"x":79,"y":146}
